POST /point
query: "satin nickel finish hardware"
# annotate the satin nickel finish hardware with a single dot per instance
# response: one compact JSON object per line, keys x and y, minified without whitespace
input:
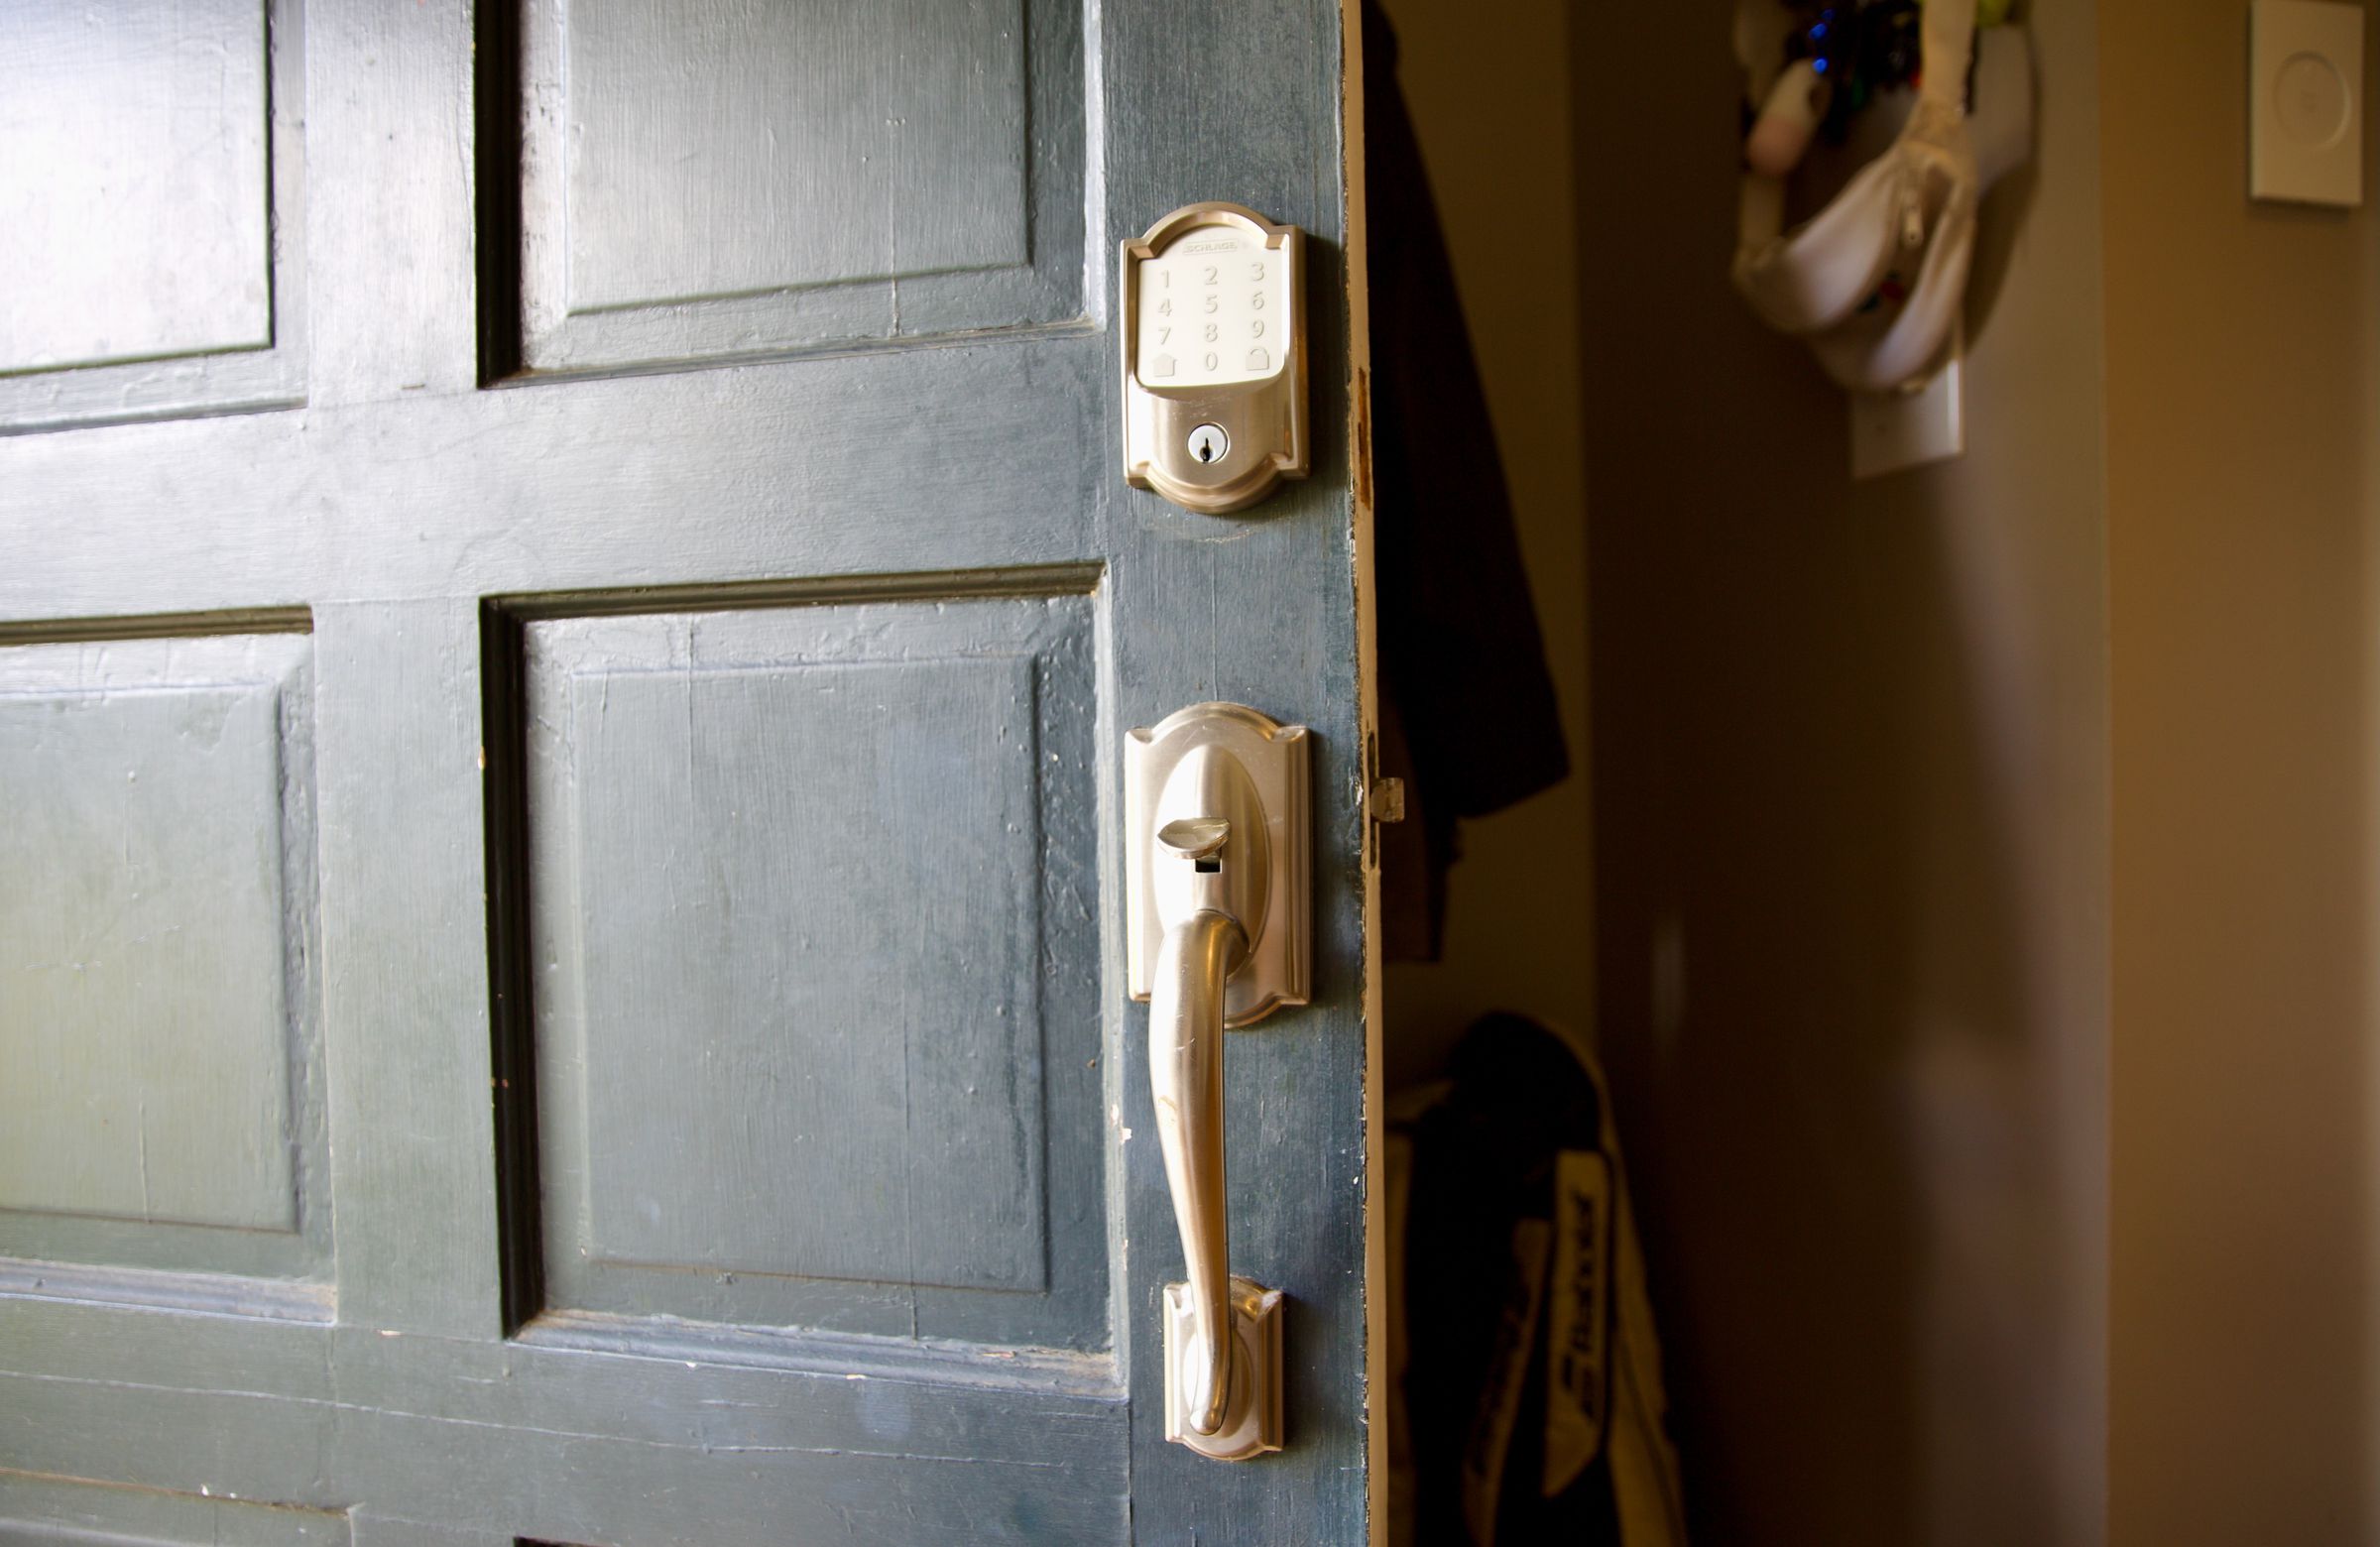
{"x":1214,"y":335}
{"x":1254,"y":1426}
{"x":1219,"y":911}
{"x":1275,"y":758}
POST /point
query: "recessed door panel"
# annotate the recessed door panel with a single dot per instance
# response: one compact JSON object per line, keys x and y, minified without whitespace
{"x":163,"y":1106}
{"x":732,"y":180}
{"x":124,"y":234}
{"x":825,"y":143}
{"x":142,"y":176}
{"x":814,"y":968}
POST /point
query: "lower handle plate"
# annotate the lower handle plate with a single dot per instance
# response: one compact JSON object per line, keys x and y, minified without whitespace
{"x":1251,"y":1425}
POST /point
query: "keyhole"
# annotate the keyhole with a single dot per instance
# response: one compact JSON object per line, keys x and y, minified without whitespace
{"x":1207,"y":867}
{"x":1208,"y":443}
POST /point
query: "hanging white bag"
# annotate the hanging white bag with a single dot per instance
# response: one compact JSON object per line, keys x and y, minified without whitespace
{"x":1875,"y":279}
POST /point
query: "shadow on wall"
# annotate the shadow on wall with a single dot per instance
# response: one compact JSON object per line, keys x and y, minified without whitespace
{"x":1850,"y":814}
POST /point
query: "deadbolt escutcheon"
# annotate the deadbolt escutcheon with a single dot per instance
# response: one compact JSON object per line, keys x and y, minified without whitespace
{"x":1214,"y":357}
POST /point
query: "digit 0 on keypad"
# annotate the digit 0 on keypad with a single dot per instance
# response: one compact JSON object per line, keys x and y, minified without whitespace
{"x":1213,"y":355}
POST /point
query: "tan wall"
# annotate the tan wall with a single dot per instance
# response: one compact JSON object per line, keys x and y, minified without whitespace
{"x":1491,"y":106}
{"x":1983,"y":855}
{"x":1850,"y":815}
{"x":2241,"y":498}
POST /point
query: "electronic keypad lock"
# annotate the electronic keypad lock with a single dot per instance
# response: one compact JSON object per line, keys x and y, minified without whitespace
{"x":1214,"y":331}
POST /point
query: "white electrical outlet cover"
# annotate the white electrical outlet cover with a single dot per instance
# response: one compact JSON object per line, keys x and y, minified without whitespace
{"x":2306,"y":102}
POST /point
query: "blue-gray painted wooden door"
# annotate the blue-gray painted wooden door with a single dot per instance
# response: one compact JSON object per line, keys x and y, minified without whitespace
{"x":567,"y":615}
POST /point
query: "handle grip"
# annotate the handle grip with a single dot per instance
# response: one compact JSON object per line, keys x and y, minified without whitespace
{"x":1185,"y":1075}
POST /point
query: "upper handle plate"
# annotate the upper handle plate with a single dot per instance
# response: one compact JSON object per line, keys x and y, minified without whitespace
{"x":1275,"y":760}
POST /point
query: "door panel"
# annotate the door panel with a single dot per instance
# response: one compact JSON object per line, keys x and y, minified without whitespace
{"x":812,"y":908}
{"x":122,"y":93}
{"x":655,"y":696}
{"x":731,"y":179}
{"x":164,"y":1105}
{"x":151,"y":216}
